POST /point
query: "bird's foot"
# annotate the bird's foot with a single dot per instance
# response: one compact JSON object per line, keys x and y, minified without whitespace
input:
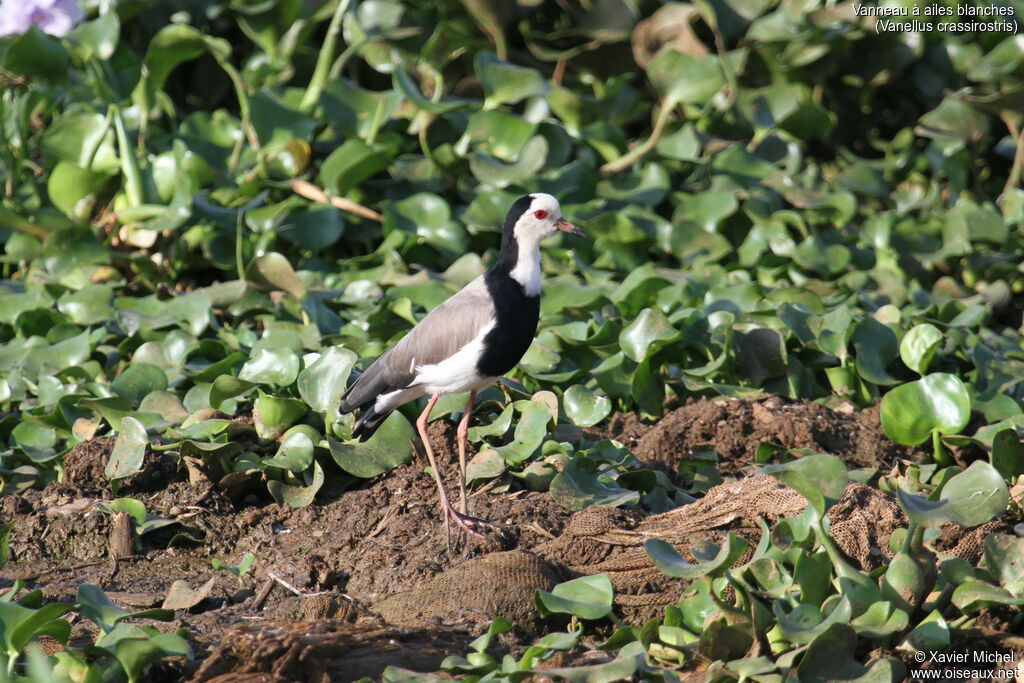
{"x":471,"y":525}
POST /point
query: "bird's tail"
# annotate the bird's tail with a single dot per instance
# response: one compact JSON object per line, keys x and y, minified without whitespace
{"x":368,"y":422}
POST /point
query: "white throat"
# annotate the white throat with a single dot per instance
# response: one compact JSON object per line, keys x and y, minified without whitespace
{"x":527,"y":270}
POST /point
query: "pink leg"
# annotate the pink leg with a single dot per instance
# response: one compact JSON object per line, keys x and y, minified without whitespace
{"x":461,"y":434}
{"x":447,"y":510}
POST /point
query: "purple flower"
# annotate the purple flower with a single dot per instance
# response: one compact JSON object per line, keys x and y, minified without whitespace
{"x":55,"y":17}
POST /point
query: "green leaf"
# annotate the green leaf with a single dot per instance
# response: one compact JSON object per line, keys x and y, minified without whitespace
{"x":129,"y":450}
{"x":273,"y":415}
{"x":685,"y":78}
{"x":588,"y":597}
{"x":935,"y":403}
{"x":322,"y":383}
{"x":279,"y":367}
{"x":225,"y":387}
{"x":390,"y":446}
{"x":273,"y":271}
{"x":975,"y":496}
{"x":296,"y":450}
{"x":134,"y":508}
{"x":919,"y":345}
{"x":34,"y":54}
{"x":830,"y":657}
{"x":349,"y":165}
{"x":1008,"y":454}
{"x":819,"y":478}
{"x":647,"y":333}
{"x":94,"y":605}
{"x":715,"y":560}
{"x":506,"y":83}
{"x":529,"y":433}
{"x":297,"y":496}
{"x":138,"y":380}
{"x":584,"y":407}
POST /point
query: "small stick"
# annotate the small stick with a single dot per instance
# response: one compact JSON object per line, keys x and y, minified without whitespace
{"x":284,"y":583}
{"x":311,"y":191}
{"x":264,"y":593}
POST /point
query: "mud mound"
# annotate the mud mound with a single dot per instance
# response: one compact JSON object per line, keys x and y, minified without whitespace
{"x":324,"y":651}
{"x":734,"y":428}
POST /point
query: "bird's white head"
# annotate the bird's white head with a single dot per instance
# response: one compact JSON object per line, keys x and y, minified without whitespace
{"x":540,"y":216}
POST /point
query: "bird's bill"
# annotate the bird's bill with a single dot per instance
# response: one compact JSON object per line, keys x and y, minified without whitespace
{"x":566,"y":226}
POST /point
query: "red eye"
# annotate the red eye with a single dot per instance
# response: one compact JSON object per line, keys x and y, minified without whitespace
{"x":540,"y":214}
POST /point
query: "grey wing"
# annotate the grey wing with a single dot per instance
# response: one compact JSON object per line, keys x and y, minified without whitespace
{"x":440,"y":334}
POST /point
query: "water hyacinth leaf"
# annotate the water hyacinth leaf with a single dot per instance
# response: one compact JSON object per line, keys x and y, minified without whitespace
{"x":931,"y":634}
{"x":1008,"y":454}
{"x":34,"y":54}
{"x":830,"y":657}
{"x":349,"y":165}
{"x":703,"y":77}
{"x":880,"y":620}
{"x":428,"y":216}
{"x":820,"y":478}
{"x":529,"y":433}
{"x":22,"y":623}
{"x":918,"y":346}
{"x":133,"y":508}
{"x":506,"y":83}
{"x":531,"y":158}
{"x":388,"y":448}
{"x":273,"y":415}
{"x":974,"y":596}
{"x":1004,"y":555}
{"x":273,"y":271}
{"x":806,"y":622}
{"x":760,"y":354}
{"x":74,"y":190}
{"x":588,"y":597}
{"x":97,"y":38}
{"x":295,"y":453}
{"x":138,"y":652}
{"x":138,"y":380}
{"x":911,"y":412}
{"x":647,"y":333}
{"x":225,"y":387}
{"x":297,"y":496}
{"x":89,"y":306}
{"x":94,"y":604}
{"x":668,"y":560}
{"x":584,"y":407}
{"x":278,"y":366}
{"x":129,"y":450}
{"x":974,"y":496}
{"x":577,"y":487}
{"x":876,"y":347}
{"x":322,"y":383}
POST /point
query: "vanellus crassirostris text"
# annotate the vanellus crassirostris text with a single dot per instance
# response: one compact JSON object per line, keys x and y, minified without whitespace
{"x":467,"y":342}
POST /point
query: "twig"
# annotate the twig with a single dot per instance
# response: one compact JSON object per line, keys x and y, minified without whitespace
{"x":264,"y":593}
{"x":311,"y":191}
{"x":540,"y":530}
{"x":284,"y":583}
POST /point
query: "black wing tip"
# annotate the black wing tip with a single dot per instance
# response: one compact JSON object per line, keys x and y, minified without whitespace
{"x":368,"y":423}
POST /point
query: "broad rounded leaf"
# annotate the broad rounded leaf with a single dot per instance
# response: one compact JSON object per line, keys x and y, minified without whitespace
{"x":820,"y":478}
{"x":648,"y":332}
{"x":936,"y":403}
{"x":129,"y":449}
{"x":668,"y":560}
{"x":584,"y":407}
{"x":323,"y":382}
{"x":975,"y":496}
{"x":588,"y":597}
{"x":389,"y":447}
{"x":271,"y":366}
{"x":919,"y":345}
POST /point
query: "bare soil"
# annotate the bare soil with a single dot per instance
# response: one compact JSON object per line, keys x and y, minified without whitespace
{"x":376,"y":581}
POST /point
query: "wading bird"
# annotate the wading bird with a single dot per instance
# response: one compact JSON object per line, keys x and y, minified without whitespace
{"x":466,"y":343}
